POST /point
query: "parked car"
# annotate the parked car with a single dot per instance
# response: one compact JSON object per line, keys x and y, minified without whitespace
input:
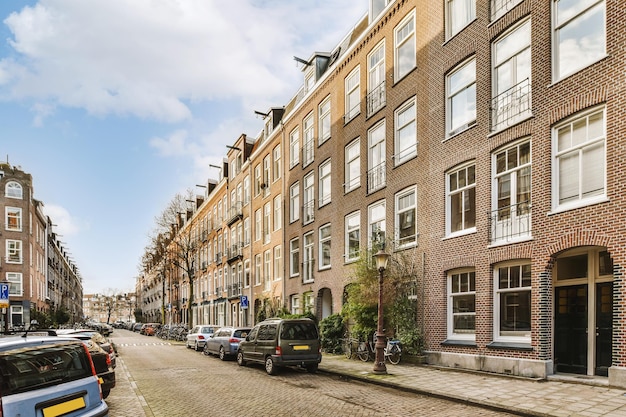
{"x":137,"y":327}
{"x":104,"y":343}
{"x":48,"y":375}
{"x":282,"y":342}
{"x":225,"y":341}
{"x":149,"y":329}
{"x":197,"y":337}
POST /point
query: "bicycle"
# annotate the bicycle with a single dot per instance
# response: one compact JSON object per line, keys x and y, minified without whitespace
{"x":392,"y":351}
{"x":349,"y":344}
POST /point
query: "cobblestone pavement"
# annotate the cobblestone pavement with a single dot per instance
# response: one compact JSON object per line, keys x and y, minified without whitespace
{"x":157,"y":378}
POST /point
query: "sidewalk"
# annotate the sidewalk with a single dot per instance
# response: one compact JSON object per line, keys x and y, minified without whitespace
{"x":522,"y":396}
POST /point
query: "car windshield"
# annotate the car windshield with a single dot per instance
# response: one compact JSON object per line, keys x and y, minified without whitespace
{"x":206,"y":330}
{"x":27,"y":369}
{"x":298,"y":331}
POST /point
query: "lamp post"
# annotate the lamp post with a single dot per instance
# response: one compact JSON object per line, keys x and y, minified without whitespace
{"x":381,"y":258}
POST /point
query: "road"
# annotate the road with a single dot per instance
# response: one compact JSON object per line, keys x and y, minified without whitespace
{"x":160,"y":378}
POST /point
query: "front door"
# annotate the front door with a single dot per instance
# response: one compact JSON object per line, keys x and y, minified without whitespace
{"x":570,"y":329}
{"x":604,"y":327}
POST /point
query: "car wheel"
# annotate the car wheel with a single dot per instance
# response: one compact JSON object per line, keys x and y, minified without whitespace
{"x":187,"y":344}
{"x":312,"y":368}
{"x":222,"y":353}
{"x":105,"y":393}
{"x":270,"y":367}
{"x":196,"y":347}
{"x":240,"y":360}
{"x":206,"y":350}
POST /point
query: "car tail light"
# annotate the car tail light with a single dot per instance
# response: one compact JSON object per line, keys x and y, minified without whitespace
{"x":108,"y":360}
{"x":231,"y":340}
{"x":200,"y":337}
{"x":279,"y":351}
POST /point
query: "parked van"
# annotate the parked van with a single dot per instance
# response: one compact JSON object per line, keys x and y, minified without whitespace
{"x":282,"y":342}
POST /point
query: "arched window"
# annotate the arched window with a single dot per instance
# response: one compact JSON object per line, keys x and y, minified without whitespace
{"x":13,"y":190}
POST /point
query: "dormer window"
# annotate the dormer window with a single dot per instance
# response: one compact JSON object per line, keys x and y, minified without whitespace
{"x":376,"y":8}
{"x":309,"y":80}
{"x":13,"y":190}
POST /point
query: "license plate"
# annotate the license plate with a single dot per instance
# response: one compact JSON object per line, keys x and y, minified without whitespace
{"x":64,"y":408}
{"x":301,"y":347}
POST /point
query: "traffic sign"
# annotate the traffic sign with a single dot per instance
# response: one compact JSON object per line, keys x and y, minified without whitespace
{"x":244,"y":301}
{"x":4,"y":295}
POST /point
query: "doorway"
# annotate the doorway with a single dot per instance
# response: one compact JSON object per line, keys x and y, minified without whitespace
{"x":583,"y":312}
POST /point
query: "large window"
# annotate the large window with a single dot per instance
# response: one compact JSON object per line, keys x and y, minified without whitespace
{"x":405,"y":132}
{"x":267,"y":269}
{"x":258,"y":180}
{"x":13,"y":218}
{"x":294,"y":257}
{"x":376,"y":161}
{"x":13,"y":190}
{"x":461,"y":98}
{"x":324,"y":250}
{"x":265,"y":185}
{"x":258,"y":227}
{"x":376,"y":221}
{"x":295,"y":304}
{"x":325,"y":183}
{"x":459,"y":13}
{"x":353,"y":165}
{"x":14,"y":251}
{"x":278,"y":212}
{"x":376,"y":97}
{"x":579,"y":34}
{"x":246,"y":273}
{"x":258,"y":267}
{"x":512,"y":307}
{"x":294,"y":148}
{"x":246,"y":189}
{"x":16,"y":286}
{"x":580,"y":160}
{"x":294,"y":202}
{"x":278,"y":262}
{"x":462,"y":305}
{"x":324,"y":120}
{"x":461,"y":200}
{"x":308,"y":198}
{"x":353,"y":95}
{"x":267,"y":220}
{"x":308,"y":259}
{"x":277,"y":165}
{"x":405,"y":51}
{"x":406,"y":213}
{"x":511,"y":100}
{"x":308,"y":146}
{"x":353,"y":236}
{"x":500,"y":7}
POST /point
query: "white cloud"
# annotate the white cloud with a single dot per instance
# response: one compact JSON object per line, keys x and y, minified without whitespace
{"x":153,"y":58}
{"x":65,"y":224}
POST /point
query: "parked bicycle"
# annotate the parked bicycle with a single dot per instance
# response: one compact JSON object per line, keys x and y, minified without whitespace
{"x":366,"y":349}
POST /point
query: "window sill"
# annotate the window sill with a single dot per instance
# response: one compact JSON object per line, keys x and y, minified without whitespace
{"x":510,"y":346}
{"x":469,"y":231}
{"x":503,"y":242}
{"x":579,"y":204}
{"x":457,"y":342}
{"x":460,"y":130}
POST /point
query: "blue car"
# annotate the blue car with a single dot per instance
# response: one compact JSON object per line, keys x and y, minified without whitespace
{"x":225,"y":342}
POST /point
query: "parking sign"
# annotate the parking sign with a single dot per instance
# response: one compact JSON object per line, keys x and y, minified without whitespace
{"x":244,"y":301}
{"x":4,"y":295}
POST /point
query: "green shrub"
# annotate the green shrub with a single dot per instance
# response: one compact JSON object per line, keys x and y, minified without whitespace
{"x":331,"y":332}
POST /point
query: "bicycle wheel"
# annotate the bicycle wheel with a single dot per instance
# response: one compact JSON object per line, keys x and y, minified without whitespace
{"x":363,"y":352}
{"x":347,"y":348}
{"x":394,"y":358}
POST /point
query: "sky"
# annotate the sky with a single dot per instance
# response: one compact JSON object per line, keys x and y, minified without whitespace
{"x":115,"y":106}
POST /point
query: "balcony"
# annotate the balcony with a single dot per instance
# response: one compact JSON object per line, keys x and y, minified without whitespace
{"x":233,"y":290}
{"x":308,"y":212}
{"x":376,"y":99}
{"x":376,"y":177}
{"x":510,"y":223}
{"x":218,"y":258}
{"x":235,"y":252}
{"x":235,"y":212}
{"x":511,"y":106}
{"x":501,"y":7}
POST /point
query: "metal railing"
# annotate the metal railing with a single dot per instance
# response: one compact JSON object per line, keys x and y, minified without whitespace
{"x":510,"y":222}
{"x":308,"y":212}
{"x":376,"y":177}
{"x":308,"y":151}
{"x":234,"y":212}
{"x":511,"y":106}
{"x":234,"y":290}
{"x":501,"y":7}
{"x":376,"y":99}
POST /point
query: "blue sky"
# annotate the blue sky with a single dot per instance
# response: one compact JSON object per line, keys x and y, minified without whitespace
{"x":114,"y":106}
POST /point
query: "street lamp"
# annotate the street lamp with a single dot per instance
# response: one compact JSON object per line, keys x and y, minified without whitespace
{"x":381,"y":258}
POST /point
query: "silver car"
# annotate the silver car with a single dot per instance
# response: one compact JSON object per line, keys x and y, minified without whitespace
{"x":225,"y":342}
{"x":197,"y":337}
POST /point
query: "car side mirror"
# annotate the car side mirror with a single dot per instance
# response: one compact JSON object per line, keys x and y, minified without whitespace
{"x":248,"y":338}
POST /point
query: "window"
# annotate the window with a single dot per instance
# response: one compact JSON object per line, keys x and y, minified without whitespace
{"x":406,"y":132}
{"x":580,"y":160}
{"x":278,"y":262}
{"x":267,"y":269}
{"x":462,"y":305}
{"x":258,"y":224}
{"x":295,"y":304}
{"x":511,"y":75}
{"x":265,"y":185}
{"x":308,"y":201}
{"x":376,"y":8}
{"x":277,"y":167}
{"x":257,"y":180}
{"x":294,"y":202}
{"x":14,"y":251}
{"x":376,"y":167}
{"x":376,"y":97}
{"x":353,"y":165}
{"x":377,"y":222}
{"x":324,"y":249}
{"x":15,"y":283}
{"x":501,"y":7}
{"x":267,"y":217}
{"x":510,"y":216}
{"x":405,"y":51}
{"x":309,"y":302}
{"x":406,"y":213}
{"x":307,"y":258}
{"x":246,"y":189}
{"x":278,"y":212}
{"x":13,"y":218}
{"x":353,"y":236}
{"x":461,"y":200}
{"x":512,"y":303}
{"x":353,"y":95}
{"x":246,"y":231}
{"x":294,"y":257}
{"x":459,"y":13}
{"x":579,"y":35}
{"x":325,"y":183}
{"x":246,"y":273}
{"x":461,"y":98}
{"x":309,"y":80}
{"x":324,"y":120}
{"x":294,"y":148}
{"x":13,"y":190}
{"x":308,"y":147}
{"x":257,"y":269}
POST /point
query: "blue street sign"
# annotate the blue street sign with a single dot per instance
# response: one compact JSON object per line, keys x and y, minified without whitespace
{"x":4,"y":291}
{"x":244,"y":301}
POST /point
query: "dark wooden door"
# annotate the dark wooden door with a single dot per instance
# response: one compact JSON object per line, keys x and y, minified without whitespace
{"x":570,"y":332}
{"x":604,"y":327}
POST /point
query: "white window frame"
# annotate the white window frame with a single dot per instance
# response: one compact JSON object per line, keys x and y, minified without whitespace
{"x":278,"y":212}
{"x":578,"y":18}
{"x":308,"y":140}
{"x":258,"y":268}
{"x":267,"y":222}
{"x":258,"y":223}
{"x":469,"y":171}
{"x":353,"y":158}
{"x":404,"y":40}
{"x":500,"y":7}
{"x":295,"y":304}
{"x":13,"y":215}
{"x":14,"y":252}
{"x":352,"y":225}
{"x":325,"y":183}
{"x":246,"y":273}
{"x":376,"y":222}
{"x":308,"y":198}
{"x":258,"y":179}
{"x":377,"y":157}
{"x":521,"y":336}
{"x":308,"y":258}
{"x":14,"y":189}
{"x":467,"y":8}
{"x":246,"y":231}
{"x":278,"y":263}
{"x":353,"y":94}
{"x":294,"y":202}
{"x":267,"y":166}
{"x":405,"y":131}
{"x":325,"y":121}
{"x":376,"y":75}
{"x":464,"y":89}
{"x":408,"y":241}
{"x":294,"y":257}
{"x":277,"y":165}
{"x":16,"y":283}
{"x":461,"y":285}
{"x":599,"y":139}
{"x":294,"y":148}
{"x":246,"y":189}
{"x":325,"y":246}
{"x":267,"y":269}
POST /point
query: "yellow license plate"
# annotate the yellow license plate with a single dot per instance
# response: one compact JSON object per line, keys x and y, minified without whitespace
{"x":64,"y":408}
{"x":301,"y":347}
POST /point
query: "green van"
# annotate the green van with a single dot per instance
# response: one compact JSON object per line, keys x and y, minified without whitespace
{"x":282,"y":342}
